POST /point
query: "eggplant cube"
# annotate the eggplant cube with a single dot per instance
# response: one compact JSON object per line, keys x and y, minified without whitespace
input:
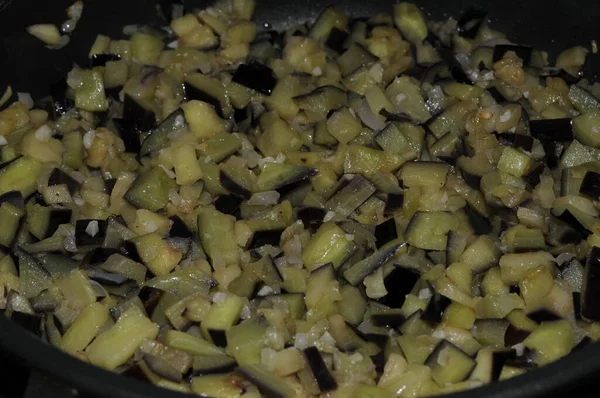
{"x":449,"y":364}
{"x":324,"y":378}
{"x":256,"y":76}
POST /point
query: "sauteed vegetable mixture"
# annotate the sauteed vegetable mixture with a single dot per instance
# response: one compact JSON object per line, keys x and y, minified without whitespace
{"x":353,"y":207}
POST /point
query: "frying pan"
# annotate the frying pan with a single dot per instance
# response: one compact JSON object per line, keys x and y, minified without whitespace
{"x":29,"y":67}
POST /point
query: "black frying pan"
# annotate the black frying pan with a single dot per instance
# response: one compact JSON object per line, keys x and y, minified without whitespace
{"x":29,"y":67}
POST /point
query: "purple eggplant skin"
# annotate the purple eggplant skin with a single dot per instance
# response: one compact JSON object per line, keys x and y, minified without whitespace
{"x":82,"y":238}
{"x":543,"y":315}
{"x":398,"y":283}
{"x":179,"y":229}
{"x":233,"y":187}
{"x":255,"y":76}
{"x":590,"y":186}
{"x":14,"y":198}
{"x":262,"y":238}
{"x":552,"y":129}
{"x":58,"y":177}
{"x":324,"y":379}
{"x":590,"y":293}
{"x":385,"y":232}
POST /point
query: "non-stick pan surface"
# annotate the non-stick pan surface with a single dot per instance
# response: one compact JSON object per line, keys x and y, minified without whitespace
{"x":28,"y":66}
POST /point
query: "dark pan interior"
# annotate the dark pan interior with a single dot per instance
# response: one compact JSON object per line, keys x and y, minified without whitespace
{"x":28,"y":66}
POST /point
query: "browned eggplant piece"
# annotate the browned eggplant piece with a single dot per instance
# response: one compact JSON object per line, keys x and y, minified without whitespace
{"x":319,"y":370}
{"x":255,"y":76}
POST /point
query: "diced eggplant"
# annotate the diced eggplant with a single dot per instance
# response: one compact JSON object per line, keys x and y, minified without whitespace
{"x":193,"y":91}
{"x":456,"y":69}
{"x":568,"y":218}
{"x":490,"y":363}
{"x":30,"y":322}
{"x":554,"y":151}
{"x":590,"y":186}
{"x":137,"y":116}
{"x":151,"y":190}
{"x":255,"y":76}
{"x":491,"y":332}
{"x":350,"y":197}
{"x":355,"y":57}
{"x":398,"y":283}
{"x":275,"y":176}
{"x":393,"y":203}
{"x":319,"y":370}
{"x":14,"y":198}
{"x":582,"y":99}
{"x":470,"y":22}
{"x":552,"y":129}
{"x":515,"y":335}
{"x":449,"y":364}
{"x":337,"y":40}
{"x":481,"y":225}
{"x":533,"y":177}
{"x":270,"y":385}
{"x":590,"y":293}
{"x":99,"y":256}
{"x":43,"y":222}
{"x":389,"y":318}
{"x":102,"y":59}
{"x":455,"y":246}
{"x":228,"y":204}
{"x":108,"y":278}
{"x":522,"y":141}
{"x":159,"y":136}
{"x":90,"y":232}
{"x":129,"y":134}
{"x":262,"y":238}
{"x":150,"y":298}
{"x":179,"y":229}
{"x":523,"y":52}
{"x":58,"y":177}
{"x":359,"y":271}
{"x":543,"y":315}
{"x":162,"y":368}
{"x":435,"y":309}
{"x":472,"y":180}
{"x":213,"y":364}
{"x":312,"y":217}
{"x":218,"y":337}
{"x":385,"y":232}
{"x":328,"y":20}
{"x":234,"y":187}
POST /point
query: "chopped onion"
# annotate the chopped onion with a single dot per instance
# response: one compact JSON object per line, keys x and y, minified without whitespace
{"x":3,"y":141}
{"x":44,"y":133}
{"x":92,"y":228}
{"x":367,"y":116}
{"x":128,"y":30}
{"x":26,"y":99}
